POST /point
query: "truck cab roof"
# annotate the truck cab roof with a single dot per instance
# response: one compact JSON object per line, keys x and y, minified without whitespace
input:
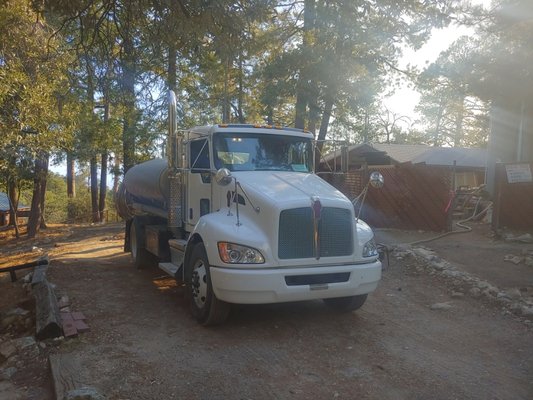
{"x":248,"y":128}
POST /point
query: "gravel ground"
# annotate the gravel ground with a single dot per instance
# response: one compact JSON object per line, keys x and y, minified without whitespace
{"x":419,"y":336}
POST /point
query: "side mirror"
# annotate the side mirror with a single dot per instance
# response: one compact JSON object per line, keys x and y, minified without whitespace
{"x":223,"y":177}
{"x":376,"y":180}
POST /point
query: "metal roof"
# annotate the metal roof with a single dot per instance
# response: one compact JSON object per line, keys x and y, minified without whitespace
{"x":442,"y":156}
{"x":4,"y":203}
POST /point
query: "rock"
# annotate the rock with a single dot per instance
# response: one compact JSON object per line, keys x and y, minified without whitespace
{"x":528,"y":261}
{"x":24,"y":342}
{"x":27,"y":345}
{"x":457,"y":295}
{"x":18,"y":311}
{"x":527,"y":311}
{"x":451,"y":273}
{"x":513,"y":259}
{"x":514,"y":293}
{"x":7,"y":373}
{"x":525,"y":238}
{"x":482,"y":285}
{"x":7,"y":349}
{"x":475,"y":292}
{"x":441,"y":306}
{"x":85,"y":393}
{"x":36,"y":249}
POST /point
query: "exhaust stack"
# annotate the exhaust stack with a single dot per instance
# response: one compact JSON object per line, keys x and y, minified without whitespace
{"x":174,"y":154}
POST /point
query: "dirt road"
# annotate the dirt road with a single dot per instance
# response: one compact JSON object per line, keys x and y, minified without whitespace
{"x":144,"y":345}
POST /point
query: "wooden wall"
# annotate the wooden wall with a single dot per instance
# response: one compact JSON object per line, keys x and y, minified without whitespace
{"x":415,"y":197}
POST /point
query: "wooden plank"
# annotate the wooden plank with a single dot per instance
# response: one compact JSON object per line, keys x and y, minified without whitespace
{"x":12,"y":269}
{"x":47,"y":318}
{"x":65,"y":374}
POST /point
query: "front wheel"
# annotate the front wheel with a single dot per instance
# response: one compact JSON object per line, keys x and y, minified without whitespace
{"x":203,"y":303}
{"x":345,"y":304}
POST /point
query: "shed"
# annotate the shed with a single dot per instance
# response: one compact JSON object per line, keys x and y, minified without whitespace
{"x":470,"y":163}
{"x":4,"y":209}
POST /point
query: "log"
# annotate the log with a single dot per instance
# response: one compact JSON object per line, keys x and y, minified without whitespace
{"x":39,"y":274}
{"x":67,"y":379}
{"x":47,"y":317}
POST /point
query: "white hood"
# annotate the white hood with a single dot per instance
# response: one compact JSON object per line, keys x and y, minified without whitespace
{"x":287,"y":187}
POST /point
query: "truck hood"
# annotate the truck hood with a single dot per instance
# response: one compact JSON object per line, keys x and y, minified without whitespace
{"x":288,"y":187}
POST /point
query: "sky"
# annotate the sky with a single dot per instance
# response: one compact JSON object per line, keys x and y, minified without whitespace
{"x":405,"y":98}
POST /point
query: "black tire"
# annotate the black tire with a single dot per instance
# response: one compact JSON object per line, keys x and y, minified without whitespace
{"x":204,"y":305}
{"x":346,"y":304}
{"x":140,"y":257}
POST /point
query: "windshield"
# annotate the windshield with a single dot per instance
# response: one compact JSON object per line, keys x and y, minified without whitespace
{"x":262,"y":152}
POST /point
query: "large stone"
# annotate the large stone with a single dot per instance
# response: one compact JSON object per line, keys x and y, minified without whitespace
{"x":527,"y":311}
{"x":7,"y":349}
{"x":441,"y":306}
{"x":7,"y":373}
{"x":85,"y":393}
{"x":24,"y":342}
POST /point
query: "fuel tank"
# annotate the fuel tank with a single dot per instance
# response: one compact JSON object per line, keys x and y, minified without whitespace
{"x":146,"y":184}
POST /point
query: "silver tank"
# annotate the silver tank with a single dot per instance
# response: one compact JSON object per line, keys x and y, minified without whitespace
{"x":146,"y":184}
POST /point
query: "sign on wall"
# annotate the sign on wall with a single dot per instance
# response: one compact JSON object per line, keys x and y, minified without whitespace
{"x":518,"y":173}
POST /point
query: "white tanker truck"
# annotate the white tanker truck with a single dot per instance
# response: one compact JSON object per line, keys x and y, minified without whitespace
{"x":238,"y":216}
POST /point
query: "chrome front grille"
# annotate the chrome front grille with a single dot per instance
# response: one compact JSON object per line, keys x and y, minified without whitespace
{"x":296,"y":233}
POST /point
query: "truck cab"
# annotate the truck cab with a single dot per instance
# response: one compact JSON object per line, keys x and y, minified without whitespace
{"x":238,"y":215}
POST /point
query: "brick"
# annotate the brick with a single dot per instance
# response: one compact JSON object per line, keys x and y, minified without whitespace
{"x":81,"y":326}
{"x":69,"y":329}
{"x":66,"y":317}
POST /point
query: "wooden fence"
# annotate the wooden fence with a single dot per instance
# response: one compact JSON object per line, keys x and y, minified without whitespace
{"x":513,"y":198}
{"x":415,"y":197}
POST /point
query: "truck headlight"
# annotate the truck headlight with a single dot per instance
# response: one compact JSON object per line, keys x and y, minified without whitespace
{"x":232,"y":253}
{"x":370,"y":249}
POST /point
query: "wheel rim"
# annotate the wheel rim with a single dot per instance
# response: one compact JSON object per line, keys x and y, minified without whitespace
{"x":199,"y":284}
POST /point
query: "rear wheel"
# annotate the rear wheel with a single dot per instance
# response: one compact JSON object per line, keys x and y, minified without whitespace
{"x":345,"y":304}
{"x":204,"y":305}
{"x":140,"y":257}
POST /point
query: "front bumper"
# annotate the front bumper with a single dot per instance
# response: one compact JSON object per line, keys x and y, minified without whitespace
{"x":261,"y":286}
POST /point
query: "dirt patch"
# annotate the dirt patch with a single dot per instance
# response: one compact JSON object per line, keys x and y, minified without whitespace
{"x":143,"y":343}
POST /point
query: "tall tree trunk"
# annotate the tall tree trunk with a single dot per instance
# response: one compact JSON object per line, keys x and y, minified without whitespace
{"x":104,"y":158}
{"x":324,"y":124}
{"x":103,"y":185}
{"x":226,"y":100}
{"x":314,"y":109}
{"x":13,"y":195}
{"x":459,"y":121}
{"x":302,"y":86}
{"x":71,"y":173}
{"x":128,"y":90}
{"x":94,"y":189}
{"x":116,"y":173}
{"x":240,"y":97}
{"x":43,"y":191}
{"x":39,"y":180}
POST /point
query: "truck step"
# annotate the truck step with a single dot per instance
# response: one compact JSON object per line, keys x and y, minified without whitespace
{"x":170,"y":269}
{"x":179,"y":244}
